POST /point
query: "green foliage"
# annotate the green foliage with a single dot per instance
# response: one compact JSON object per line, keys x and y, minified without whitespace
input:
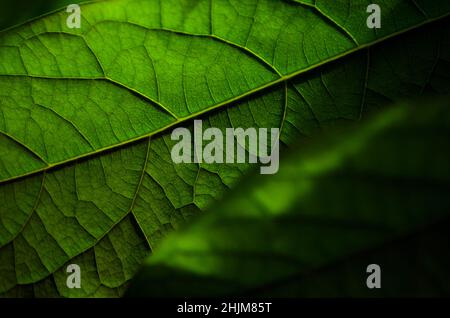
{"x":375,"y":195}
{"x":86,"y":114}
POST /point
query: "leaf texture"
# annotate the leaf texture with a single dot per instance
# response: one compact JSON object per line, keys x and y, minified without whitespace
{"x":86,"y":114}
{"x":377,"y":195}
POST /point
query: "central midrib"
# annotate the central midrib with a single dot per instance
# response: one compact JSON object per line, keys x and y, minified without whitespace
{"x":216,"y":106}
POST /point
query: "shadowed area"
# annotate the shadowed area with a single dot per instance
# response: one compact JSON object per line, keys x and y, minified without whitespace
{"x":19,"y":11}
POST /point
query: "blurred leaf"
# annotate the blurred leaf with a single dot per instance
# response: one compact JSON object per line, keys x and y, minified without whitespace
{"x":86,"y":114}
{"x":378,"y":195}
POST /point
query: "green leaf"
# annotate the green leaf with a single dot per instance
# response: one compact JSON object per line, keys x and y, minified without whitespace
{"x":86,"y":114}
{"x":377,"y":195}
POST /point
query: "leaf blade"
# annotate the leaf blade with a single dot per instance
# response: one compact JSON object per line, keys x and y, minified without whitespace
{"x":98,"y":187}
{"x":377,"y":196}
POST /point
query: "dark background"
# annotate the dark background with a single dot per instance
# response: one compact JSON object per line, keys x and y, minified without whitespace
{"x":13,"y":12}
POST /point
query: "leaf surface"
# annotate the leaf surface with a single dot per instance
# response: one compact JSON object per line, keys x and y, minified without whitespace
{"x":86,"y":114}
{"x":374,"y":196}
